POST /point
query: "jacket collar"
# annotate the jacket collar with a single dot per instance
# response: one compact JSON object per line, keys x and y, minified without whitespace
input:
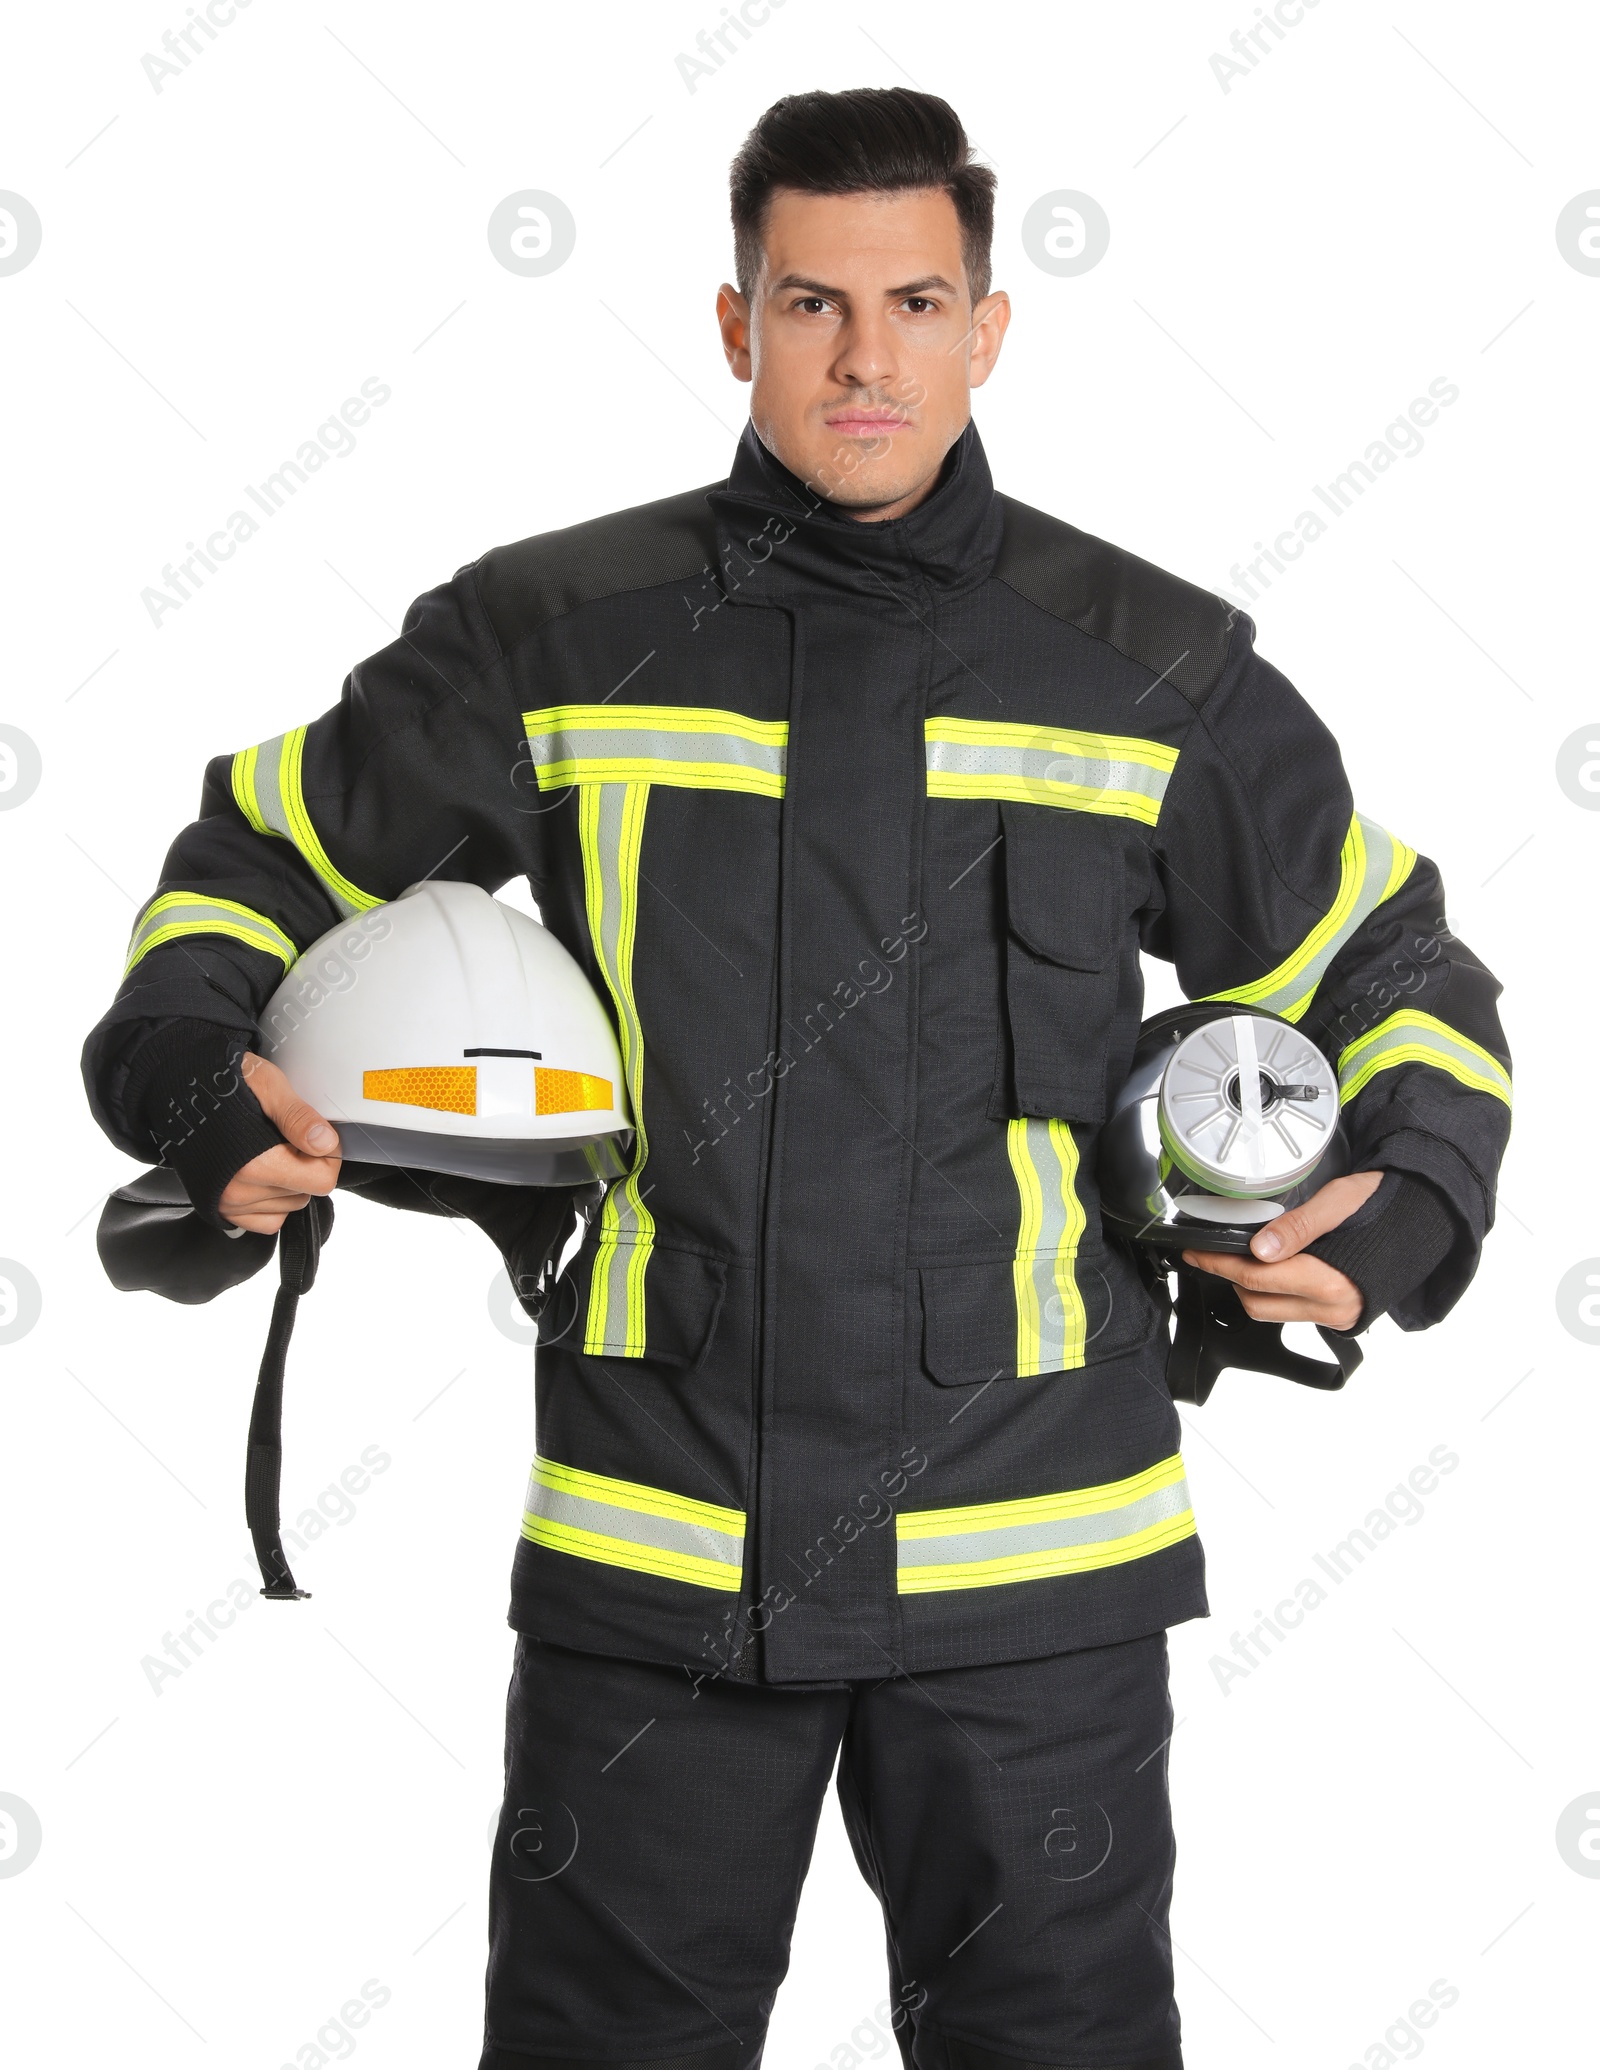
{"x":779,"y":542}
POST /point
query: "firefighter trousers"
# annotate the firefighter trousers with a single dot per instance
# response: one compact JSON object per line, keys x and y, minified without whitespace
{"x":1012,"y":1820}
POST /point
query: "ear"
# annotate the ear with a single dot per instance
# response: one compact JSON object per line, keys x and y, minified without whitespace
{"x":989,"y":320}
{"x":733,"y":320}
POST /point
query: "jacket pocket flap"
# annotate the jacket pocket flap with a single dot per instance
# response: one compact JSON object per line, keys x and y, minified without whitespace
{"x":1061,"y":871}
{"x":655,"y":1303}
{"x":1002,"y":1319}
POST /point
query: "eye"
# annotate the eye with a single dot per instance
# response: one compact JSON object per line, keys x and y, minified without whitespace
{"x":813,"y":305}
{"x":918,"y":303}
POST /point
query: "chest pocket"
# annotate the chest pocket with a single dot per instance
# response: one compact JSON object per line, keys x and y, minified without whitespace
{"x":1068,"y":907}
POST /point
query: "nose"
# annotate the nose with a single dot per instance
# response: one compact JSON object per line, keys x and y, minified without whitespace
{"x":866,"y":357}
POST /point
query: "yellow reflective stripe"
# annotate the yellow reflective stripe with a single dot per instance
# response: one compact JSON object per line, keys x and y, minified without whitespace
{"x":267,"y":788}
{"x":178,"y":913}
{"x":1032,"y":1196}
{"x":1412,"y":1037}
{"x":1041,"y":1509}
{"x":687,"y":776}
{"x":628,"y":1524}
{"x":304,"y":834}
{"x":1051,"y":1322}
{"x":694,"y":747}
{"x":610,"y":834}
{"x":1403,"y":862}
{"x":622,"y":1552}
{"x":1040,"y":1566}
{"x":1112,"y":773}
{"x":1372,"y":867}
{"x":639,"y":1495}
{"x":243,"y":778}
{"x":983,"y":1545}
{"x":656,"y":718}
{"x":1057,"y":740}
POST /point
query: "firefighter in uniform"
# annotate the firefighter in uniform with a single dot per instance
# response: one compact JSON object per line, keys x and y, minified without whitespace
{"x":851,"y":1425}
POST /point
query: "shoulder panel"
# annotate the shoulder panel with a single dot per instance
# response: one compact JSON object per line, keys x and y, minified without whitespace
{"x":1154,"y":618}
{"x":525,"y":585}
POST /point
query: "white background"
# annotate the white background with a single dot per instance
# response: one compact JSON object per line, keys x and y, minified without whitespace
{"x":1291,"y":262}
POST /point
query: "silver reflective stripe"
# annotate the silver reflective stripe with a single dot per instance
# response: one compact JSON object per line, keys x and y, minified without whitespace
{"x":268,"y":787}
{"x":638,"y":744}
{"x":1411,"y":1037}
{"x":268,"y":790}
{"x":635,"y":1527}
{"x":1051,"y":1324}
{"x":1008,"y":1540}
{"x":693,"y":747}
{"x":610,"y":831}
{"x":176,"y":913}
{"x":1055,"y":774}
{"x":1372,"y":867}
{"x":591,"y":1516}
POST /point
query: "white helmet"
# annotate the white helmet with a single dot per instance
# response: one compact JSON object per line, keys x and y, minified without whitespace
{"x":451,"y":1033}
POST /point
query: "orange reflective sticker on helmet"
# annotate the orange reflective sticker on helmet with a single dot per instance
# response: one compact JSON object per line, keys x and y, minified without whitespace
{"x":569,"y":1092}
{"x":447,"y":1088}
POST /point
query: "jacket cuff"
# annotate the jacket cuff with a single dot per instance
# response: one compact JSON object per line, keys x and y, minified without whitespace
{"x":185,"y":1095}
{"x":1392,"y":1243}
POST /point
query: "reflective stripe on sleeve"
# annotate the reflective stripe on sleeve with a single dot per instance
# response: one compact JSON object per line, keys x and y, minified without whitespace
{"x":177,"y":913}
{"x":1372,"y":867}
{"x":1410,"y":1037}
{"x":1110,"y":773}
{"x":691,"y":746}
{"x":982,"y":1545}
{"x":267,"y":789}
{"x":610,"y":832}
{"x":626,"y":1524}
{"x":1050,"y":1315}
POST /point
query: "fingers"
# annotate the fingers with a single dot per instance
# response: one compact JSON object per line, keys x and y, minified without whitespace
{"x":274,"y":1185}
{"x":299,"y":1122}
{"x":283,"y":1170}
{"x":1326,"y":1209}
{"x":264,"y":1221}
{"x":1300,"y":1289}
{"x":1299,"y":1278}
{"x":1276,"y":1308}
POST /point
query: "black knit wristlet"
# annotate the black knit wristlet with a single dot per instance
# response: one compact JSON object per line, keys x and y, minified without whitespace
{"x":1391,"y":1244}
{"x":184,"y":1091}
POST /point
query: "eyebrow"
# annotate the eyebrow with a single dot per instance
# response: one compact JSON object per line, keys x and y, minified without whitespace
{"x":895,"y":294}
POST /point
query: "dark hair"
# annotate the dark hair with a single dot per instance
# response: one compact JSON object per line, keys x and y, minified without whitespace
{"x":871,"y":140}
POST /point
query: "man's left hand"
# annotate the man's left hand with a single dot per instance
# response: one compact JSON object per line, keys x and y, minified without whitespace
{"x":1278,"y":1283}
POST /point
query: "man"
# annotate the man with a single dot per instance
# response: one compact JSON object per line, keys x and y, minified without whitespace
{"x":857,"y":789}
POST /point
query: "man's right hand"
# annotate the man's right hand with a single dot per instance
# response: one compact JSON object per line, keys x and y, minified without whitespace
{"x":281,"y":1180}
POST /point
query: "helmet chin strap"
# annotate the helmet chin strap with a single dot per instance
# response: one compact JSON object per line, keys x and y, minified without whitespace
{"x":299,"y":1248}
{"x":1213,"y":1332}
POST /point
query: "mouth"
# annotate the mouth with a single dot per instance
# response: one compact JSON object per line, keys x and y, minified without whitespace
{"x":866,"y":423}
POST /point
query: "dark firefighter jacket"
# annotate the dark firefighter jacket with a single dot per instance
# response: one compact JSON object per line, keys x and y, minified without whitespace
{"x":859,"y":829}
